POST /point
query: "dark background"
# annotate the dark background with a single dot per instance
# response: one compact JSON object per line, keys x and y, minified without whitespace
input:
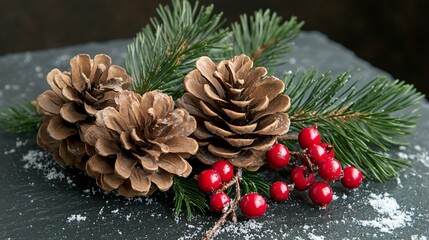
{"x":392,"y":35}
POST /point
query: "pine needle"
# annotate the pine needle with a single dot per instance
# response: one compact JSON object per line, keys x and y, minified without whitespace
{"x":20,"y":118}
{"x":188,"y":196}
{"x":264,"y":37}
{"x":252,"y":182}
{"x":361,"y":122}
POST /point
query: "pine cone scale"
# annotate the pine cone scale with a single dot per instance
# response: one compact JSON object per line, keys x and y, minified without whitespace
{"x":70,"y":113}
{"x":111,"y":180}
{"x":80,"y":67}
{"x":207,"y":67}
{"x":162,"y":179}
{"x":233,"y":115}
{"x":275,"y":124}
{"x":279,"y":104}
{"x":140,"y":181}
{"x":271,"y":87}
{"x":106,"y":147}
{"x":242,"y":129}
{"x":71,"y":94}
{"x":97,"y":165}
{"x":218,"y":131}
{"x":259,"y":104}
{"x":175,"y":164}
{"x":59,"y":130}
{"x":49,"y":102}
{"x":240,"y":142}
{"x":124,"y":166}
{"x":223,"y":152}
{"x":147,"y":161}
{"x":180,"y":144}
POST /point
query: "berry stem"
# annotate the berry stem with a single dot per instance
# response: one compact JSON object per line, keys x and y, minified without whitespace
{"x":231,"y":210}
{"x":288,"y":137}
{"x":304,"y":157}
{"x":232,"y":181}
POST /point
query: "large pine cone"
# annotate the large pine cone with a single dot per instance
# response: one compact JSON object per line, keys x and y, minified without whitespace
{"x":240,"y":113}
{"x":75,"y":98}
{"x":141,"y":145}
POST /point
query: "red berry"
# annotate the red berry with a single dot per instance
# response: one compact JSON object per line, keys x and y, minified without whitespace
{"x":330,"y":170}
{"x":209,"y":180}
{"x":320,"y":194}
{"x":317,"y":153}
{"x":301,"y":178}
{"x":309,"y":136}
{"x":253,"y":205}
{"x":225,"y":170}
{"x":352,"y":177}
{"x":279,"y":191}
{"x":278,"y":155}
{"x":329,"y":149}
{"x":218,"y":201}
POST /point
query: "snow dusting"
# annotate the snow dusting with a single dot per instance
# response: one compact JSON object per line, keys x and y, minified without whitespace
{"x":390,"y":216}
{"x":417,"y":153}
{"x":76,"y":218}
{"x":40,"y":160}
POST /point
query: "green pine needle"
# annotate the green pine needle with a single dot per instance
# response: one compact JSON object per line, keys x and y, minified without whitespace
{"x":264,"y":37}
{"x":361,"y":122}
{"x":188,"y":196}
{"x":252,"y":182}
{"x":20,"y":118}
{"x":166,"y":50}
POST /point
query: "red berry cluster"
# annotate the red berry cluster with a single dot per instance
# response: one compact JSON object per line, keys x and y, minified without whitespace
{"x":252,"y":205}
{"x":316,"y":158}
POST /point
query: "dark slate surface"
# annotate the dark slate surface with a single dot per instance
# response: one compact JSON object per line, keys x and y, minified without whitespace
{"x":41,"y":201}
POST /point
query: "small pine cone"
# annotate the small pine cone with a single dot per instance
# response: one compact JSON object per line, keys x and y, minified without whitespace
{"x":75,"y":98}
{"x":240,"y":113}
{"x":141,"y":145}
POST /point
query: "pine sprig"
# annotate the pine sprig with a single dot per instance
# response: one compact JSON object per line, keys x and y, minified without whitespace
{"x":188,"y":196}
{"x":20,"y":118}
{"x":166,"y":50}
{"x":361,"y":122}
{"x":264,"y":37}
{"x":252,"y":182}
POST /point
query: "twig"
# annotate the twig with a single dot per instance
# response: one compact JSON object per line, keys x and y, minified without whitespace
{"x":231,"y":210}
{"x":288,"y":137}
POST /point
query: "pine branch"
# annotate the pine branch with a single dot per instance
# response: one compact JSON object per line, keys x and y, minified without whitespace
{"x":361,"y":122}
{"x":264,"y":37}
{"x":187,"y":195}
{"x":252,"y":182}
{"x":166,"y":50}
{"x":20,"y":118}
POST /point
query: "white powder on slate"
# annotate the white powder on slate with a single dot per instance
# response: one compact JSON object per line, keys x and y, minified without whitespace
{"x":76,"y":217}
{"x":416,"y":154}
{"x":417,"y":237}
{"x":390,"y":215}
{"x":12,"y":150}
{"x":39,"y":160}
{"x":311,"y":236}
{"x":250,"y":229}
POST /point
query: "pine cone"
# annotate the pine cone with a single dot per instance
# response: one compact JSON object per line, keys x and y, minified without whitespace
{"x":75,"y":98}
{"x":240,"y":113}
{"x":140,"y":145}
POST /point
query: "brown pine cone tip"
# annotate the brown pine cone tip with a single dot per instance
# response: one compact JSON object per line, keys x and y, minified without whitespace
{"x":240,"y":113}
{"x":75,"y":97}
{"x":141,"y":145}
